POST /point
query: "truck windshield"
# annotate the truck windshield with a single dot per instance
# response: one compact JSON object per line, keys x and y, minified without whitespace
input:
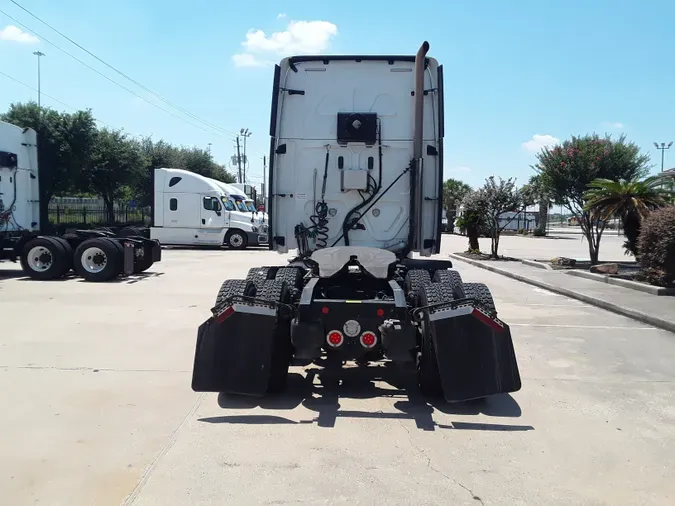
{"x":227,"y":204}
{"x":241,"y":205}
{"x":250,"y":206}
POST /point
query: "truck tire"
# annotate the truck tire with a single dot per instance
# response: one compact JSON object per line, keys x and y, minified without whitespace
{"x":99,"y":259}
{"x":415,"y":279}
{"x":44,"y":258}
{"x":482,"y":294}
{"x":258,"y":275}
{"x":232,"y":287}
{"x":69,"y":252}
{"x":452,"y":279}
{"x":428,"y":374}
{"x":236,"y":239}
{"x":282,"y":349}
{"x":293,"y":278}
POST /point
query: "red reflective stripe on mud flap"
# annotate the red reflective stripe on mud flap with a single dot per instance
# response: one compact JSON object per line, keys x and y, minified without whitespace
{"x":487,"y":320}
{"x":225,"y":314}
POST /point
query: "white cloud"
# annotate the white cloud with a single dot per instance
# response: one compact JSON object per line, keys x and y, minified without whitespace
{"x":280,"y":16}
{"x":300,"y":37}
{"x":15,"y":34}
{"x":460,"y":168}
{"x":247,"y":60}
{"x":614,"y":124}
{"x":538,"y":141}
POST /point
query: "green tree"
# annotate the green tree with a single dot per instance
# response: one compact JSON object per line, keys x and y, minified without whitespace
{"x":630,"y":201}
{"x":569,"y":168}
{"x":64,"y":144}
{"x":117,"y":163}
{"x":454,"y":192}
{"x":492,"y":200}
{"x":471,"y":219}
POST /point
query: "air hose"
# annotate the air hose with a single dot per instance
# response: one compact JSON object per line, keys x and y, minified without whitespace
{"x":319,"y":228}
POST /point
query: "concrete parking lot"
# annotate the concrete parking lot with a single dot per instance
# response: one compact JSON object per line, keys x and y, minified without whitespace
{"x":98,"y":410}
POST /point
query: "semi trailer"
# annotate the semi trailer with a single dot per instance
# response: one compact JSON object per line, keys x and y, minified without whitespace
{"x":95,"y":255}
{"x":355,"y":187}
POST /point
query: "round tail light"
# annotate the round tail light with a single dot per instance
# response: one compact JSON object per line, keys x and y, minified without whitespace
{"x":368,"y":339}
{"x":335,"y":338}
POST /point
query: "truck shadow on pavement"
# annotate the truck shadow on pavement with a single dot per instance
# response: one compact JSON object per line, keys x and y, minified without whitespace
{"x":71,"y":276}
{"x":321,"y":389}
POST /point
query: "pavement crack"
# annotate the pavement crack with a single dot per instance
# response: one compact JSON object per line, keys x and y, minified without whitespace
{"x":431,"y":466}
{"x":133,"y":495}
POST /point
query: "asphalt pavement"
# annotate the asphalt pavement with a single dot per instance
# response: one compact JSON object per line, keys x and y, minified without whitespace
{"x":95,"y":381}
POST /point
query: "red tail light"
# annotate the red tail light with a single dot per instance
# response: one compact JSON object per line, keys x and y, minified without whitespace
{"x":335,"y":338}
{"x":368,"y":339}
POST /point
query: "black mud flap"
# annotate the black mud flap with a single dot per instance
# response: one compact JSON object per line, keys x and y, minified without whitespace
{"x":234,"y":350}
{"x":129,"y":257}
{"x":156,"y":252}
{"x":475,"y":353}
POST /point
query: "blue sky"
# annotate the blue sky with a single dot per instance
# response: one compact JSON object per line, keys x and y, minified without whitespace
{"x":519,"y":73}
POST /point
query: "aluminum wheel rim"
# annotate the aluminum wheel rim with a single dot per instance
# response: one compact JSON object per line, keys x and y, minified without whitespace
{"x":236,"y":240}
{"x":38,"y":264}
{"x":94,"y":260}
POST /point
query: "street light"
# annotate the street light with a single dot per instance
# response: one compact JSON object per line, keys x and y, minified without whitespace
{"x":663,"y":148}
{"x":244,"y":132}
{"x":38,"y":54}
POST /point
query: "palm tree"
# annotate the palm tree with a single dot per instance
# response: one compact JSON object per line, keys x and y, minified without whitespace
{"x":630,"y":201}
{"x":536,"y":192}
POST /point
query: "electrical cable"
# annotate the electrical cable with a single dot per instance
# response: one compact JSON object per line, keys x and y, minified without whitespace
{"x":184,"y":111}
{"x":112,"y":80}
{"x":350,"y":222}
{"x":49,"y":97}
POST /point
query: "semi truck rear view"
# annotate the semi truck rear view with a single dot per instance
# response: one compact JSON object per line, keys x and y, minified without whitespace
{"x":355,"y":189}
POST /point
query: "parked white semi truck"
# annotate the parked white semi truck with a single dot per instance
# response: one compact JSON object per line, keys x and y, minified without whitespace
{"x":355,"y":188}
{"x":191,"y":210}
{"x":95,"y":255}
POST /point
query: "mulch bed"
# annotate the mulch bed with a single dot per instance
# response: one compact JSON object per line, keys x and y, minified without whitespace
{"x":485,"y":256}
{"x":631,"y":271}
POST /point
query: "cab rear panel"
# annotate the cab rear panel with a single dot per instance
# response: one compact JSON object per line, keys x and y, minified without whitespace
{"x":318,"y":155}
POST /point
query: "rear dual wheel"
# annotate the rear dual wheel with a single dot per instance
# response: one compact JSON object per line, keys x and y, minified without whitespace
{"x":99,"y":259}
{"x":46,"y":258}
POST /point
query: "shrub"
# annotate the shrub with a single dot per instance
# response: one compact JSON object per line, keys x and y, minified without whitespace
{"x":539,"y":232}
{"x":656,"y":246}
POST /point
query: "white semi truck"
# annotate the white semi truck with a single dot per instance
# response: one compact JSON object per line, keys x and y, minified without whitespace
{"x":191,"y":210}
{"x":355,"y":187}
{"x":96,"y":255}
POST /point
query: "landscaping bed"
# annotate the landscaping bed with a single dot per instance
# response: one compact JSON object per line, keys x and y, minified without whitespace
{"x":629,"y":271}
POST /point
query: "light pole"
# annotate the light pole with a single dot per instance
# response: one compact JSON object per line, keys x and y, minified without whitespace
{"x":38,"y":54}
{"x":663,"y":148}
{"x":245,"y":133}
{"x":209,"y":148}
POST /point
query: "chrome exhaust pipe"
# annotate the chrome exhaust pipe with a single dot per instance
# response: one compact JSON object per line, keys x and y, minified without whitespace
{"x":416,"y":234}
{"x":419,"y":99}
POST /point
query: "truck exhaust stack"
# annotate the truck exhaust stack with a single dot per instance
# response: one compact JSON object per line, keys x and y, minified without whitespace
{"x":419,"y":100}
{"x":416,"y":223}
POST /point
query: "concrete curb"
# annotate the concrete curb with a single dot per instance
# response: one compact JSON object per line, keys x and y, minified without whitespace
{"x":640,"y":287}
{"x":609,"y":306}
{"x":538,"y":265}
